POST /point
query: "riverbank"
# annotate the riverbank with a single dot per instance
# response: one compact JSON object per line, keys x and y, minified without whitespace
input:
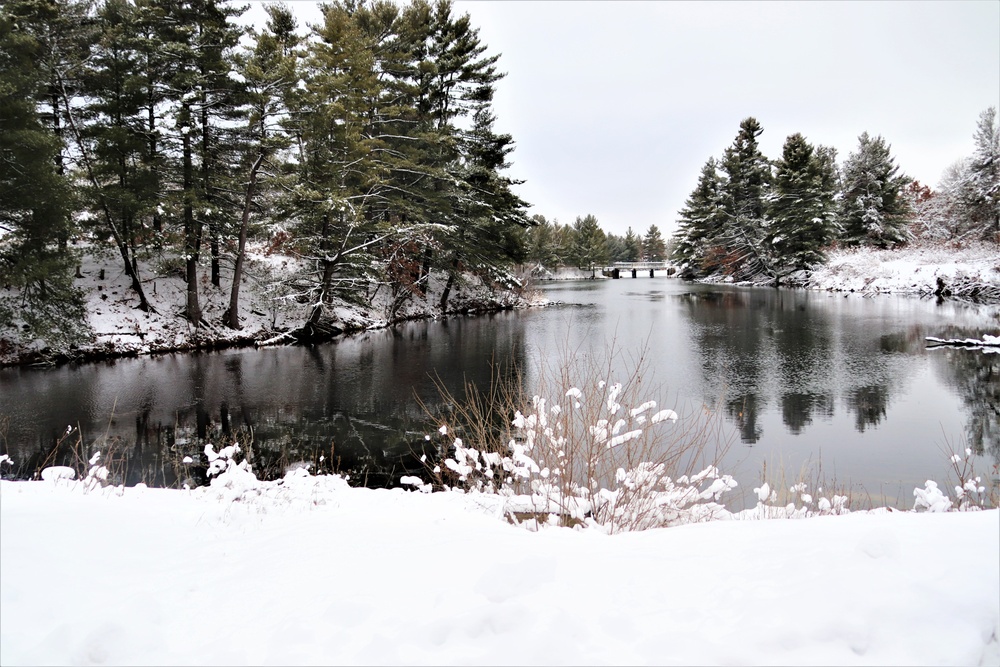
{"x":115,"y":327}
{"x":269,"y":310}
{"x":970,"y":272}
{"x":311,"y":572}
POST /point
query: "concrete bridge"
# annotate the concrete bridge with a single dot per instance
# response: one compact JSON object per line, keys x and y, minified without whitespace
{"x":617,"y":269}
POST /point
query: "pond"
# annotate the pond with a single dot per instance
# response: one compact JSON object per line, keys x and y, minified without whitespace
{"x":841,"y":386}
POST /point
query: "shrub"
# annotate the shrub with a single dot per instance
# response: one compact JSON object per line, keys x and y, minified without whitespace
{"x":590,"y":454}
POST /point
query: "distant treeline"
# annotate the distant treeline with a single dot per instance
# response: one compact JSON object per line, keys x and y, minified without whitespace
{"x":585,"y":245}
{"x":752,"y":218}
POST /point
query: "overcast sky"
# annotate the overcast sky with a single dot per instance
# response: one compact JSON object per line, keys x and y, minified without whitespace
{"x":615,"y":106}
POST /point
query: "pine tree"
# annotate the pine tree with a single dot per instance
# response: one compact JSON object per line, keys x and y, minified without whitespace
{"x":653,"y":247}
{"x":590,"y":245}
{"x":982,"y":198}
{"x":873,"y":210}
{"x":339,"y":173}
{"x":616,"y":247}
{"x":269,"y":71}
{"x":200,"y":109}
{"x":801,"y":208}
{"x":478,"y":213}
{"x":741,"y":249}
{"x":542,"y":243}
{"x":35,"y":197}
{"x":700,"y":222}
{"x":633,"y":246}
{"x":113,"y":137}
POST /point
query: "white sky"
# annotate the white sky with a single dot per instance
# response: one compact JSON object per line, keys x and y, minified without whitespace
{"x":615,"y":106}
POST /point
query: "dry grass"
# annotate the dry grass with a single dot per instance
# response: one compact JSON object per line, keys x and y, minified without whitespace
{"x":587,"y":440}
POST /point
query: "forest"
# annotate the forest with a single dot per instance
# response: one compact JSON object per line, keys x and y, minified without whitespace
{"x":167,"y":136}
{"x":163,"y":130}
{"x":753,"y":218}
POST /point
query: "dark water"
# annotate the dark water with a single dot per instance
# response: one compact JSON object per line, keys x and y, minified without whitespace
{"x":840,"y":383}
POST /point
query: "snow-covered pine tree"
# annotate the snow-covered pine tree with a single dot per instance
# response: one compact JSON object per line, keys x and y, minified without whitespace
{"x":269,"y":70}
{"x":744,"y":254}
{"x":873,"y":210}
{"x":700,"y":221}
{"x":653,"y":247}
{"x":589,"y":246}
{"x":802,"y":215}
{"x":982,"y":198}
{"x":36,"y":273}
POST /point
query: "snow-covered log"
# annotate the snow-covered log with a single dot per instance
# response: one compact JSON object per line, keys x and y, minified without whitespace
{"x":986,"y":341}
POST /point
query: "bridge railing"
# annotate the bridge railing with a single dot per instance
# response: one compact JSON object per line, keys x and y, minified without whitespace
{"x":639,"y":265}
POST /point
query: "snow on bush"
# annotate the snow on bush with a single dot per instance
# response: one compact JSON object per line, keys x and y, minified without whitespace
{"x":587,"y":461}
{"x":236,"y":486}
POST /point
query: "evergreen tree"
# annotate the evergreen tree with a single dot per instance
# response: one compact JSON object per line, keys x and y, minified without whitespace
{"x":543,"y":245}
{"x":565,"y":236}
{"x":489,"y":238}
{"x":653,"y":247}
{"x":339,"y":171}
{"x":113,"y":137}
{"x":801,"y":208}
{"x":35,"y":198}
{"x":633,"y":246}
{"x":590,"y":245}
{"x":982,"y":193}
{"x":873,"y":209}
{"x":269,"y":70}
{"x":477,"y":213}
{"x":741,"y":237}
{"x":700,"y":221}
{"x":617,"y":250}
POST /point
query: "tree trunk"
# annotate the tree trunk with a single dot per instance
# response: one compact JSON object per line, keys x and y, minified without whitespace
{"x":425,"y":271}
{"x":192,"y":228}
{"x":151,"y":133}
{"x":214,"y":244}
{"x":448,"y":285}
{"x":232,"y":317}
{"x":120,"y":242}
{"x":328,"y":265}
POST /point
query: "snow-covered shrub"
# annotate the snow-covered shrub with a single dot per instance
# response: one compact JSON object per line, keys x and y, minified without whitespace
{"x":930,"y":498}
{"x":778,"y":499}
{"x":591,"y":454}
{"x":97,"y":474}
{"x":970,"y":492}
{"x":234,"y":483}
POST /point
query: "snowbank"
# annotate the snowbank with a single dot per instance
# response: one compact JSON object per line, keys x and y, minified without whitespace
{"x":311,"y":571}
{"x":910,"y":270}
{"x":268,"y":308}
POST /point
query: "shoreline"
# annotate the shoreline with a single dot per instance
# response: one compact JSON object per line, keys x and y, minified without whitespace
{"x":117,"y":329}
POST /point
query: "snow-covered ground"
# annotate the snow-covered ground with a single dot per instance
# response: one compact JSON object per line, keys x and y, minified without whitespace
{"x":311,"y":571}
{"x":267,"y":307}
{"x":910,"y":270}
{"x":119,"y":328}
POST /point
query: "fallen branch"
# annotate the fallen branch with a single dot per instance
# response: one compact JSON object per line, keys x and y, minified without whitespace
{"x":986,"y":341}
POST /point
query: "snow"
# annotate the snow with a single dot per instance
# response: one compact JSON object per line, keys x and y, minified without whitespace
{"x":267,"y":310}
{"x":911,"y":270}
{"x":310,"y":571}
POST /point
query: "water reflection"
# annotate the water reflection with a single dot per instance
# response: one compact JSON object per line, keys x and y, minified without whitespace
{"x":798,"y":349}
{"x":797,"y":375}
{"x":976,"y":378}
{"x":351,"y":405}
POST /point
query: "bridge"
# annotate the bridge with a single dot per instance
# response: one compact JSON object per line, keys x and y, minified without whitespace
{"x":618,"y":268}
